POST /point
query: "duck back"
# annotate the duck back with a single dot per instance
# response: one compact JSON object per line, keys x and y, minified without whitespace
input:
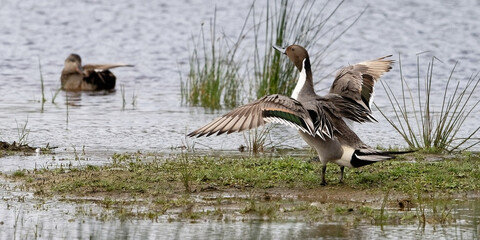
{"x":102,"y":80}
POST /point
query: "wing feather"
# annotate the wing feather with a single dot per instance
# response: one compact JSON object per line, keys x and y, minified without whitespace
{"x":103,"y":67}
{"x":357,"y":81}
{"x":272,"y":108}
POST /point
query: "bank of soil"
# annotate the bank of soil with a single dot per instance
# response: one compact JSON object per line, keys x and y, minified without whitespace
{"x":11,"y":148}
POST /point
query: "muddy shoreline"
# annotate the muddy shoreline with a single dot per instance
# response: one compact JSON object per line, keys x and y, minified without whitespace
{"x":274,"y":189}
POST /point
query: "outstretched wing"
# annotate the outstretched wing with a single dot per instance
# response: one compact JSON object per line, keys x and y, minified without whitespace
{"x":344,"y":107}
{"x":272,"y":108}
{"x":357,"y":81}
{"x":103,"y":67}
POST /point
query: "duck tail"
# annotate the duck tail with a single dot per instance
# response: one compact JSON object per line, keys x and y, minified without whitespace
{"x":366,"y":157}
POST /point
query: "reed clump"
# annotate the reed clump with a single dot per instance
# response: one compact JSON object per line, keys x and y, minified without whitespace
{"x":286,"y":23}
{"x":218,"y":69}
{"x":213,"y":77}
{"x":428,"y":124}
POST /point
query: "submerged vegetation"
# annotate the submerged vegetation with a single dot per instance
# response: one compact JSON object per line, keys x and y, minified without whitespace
{"x":429,"y":125}
{"x":219,"y":65}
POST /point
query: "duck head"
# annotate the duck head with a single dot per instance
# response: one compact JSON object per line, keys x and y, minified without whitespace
{"x":73,"y":64}
{"x":297,"y":54}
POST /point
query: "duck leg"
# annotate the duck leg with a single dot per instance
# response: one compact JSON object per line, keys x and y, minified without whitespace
{"x":324,"y":170}
{"x":340,"y":179}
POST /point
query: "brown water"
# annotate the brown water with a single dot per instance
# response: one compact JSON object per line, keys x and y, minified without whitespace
{"x":156,"y":37}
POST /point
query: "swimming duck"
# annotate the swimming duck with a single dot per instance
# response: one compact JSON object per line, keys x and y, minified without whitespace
{"x":90,"y":77}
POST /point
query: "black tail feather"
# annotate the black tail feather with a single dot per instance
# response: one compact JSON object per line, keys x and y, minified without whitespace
{"x":361,"y":158}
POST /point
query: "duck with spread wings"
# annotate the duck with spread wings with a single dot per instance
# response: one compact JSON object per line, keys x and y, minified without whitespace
{"x":320,"y":120}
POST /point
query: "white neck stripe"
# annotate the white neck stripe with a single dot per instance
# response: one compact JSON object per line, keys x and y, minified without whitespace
{"x":301,"y":81}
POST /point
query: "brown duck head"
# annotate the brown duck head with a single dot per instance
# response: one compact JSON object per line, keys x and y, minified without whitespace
{"x":296,"y":54}
{"x":73,"y":64}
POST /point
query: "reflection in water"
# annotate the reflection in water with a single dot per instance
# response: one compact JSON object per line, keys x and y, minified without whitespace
{"x":73,"y":99}
{"x":60,"y":220}
{"x":326,"y":231}
{"x":22,"y":216}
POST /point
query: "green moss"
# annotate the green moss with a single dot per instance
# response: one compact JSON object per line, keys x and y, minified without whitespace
{"x":19,"y":173}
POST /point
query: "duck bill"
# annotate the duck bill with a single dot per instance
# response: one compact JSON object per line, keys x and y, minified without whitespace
{"x":79,"y":69}
{"x":280,"y":49}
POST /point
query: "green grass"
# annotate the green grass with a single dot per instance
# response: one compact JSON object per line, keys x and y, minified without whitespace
{"x":18,"y":173}
{"x":23,"y":133}
{"x":264,"y":188}
{"x":41,"y":82}
{"x":428,"y":125}
{"x":213,"y":78}
{"x":430,"y":176}
{"x":286,"y":23}
{"x":136,"y":174}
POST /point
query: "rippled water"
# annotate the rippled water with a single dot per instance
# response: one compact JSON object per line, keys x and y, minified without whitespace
{"x":157,"y":40}
{"x":156,"y":37}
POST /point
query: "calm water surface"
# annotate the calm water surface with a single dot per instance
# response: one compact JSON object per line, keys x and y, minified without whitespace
{"x":156,"y":37}
{"x":24,"y":217}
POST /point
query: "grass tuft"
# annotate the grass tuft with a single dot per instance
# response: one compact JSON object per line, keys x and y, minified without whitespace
{"x":213,"y":78}
{"x":426,"y":124}
{"x":255,"y":139}
{"x":23,"y":133}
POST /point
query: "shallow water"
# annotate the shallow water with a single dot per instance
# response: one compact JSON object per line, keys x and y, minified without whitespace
{"x":156,"y":37}
{"x":24,"y":217}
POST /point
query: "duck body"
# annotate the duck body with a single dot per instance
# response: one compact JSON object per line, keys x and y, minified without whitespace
{"x":320,"y":120}
{"x":90,"y":77}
